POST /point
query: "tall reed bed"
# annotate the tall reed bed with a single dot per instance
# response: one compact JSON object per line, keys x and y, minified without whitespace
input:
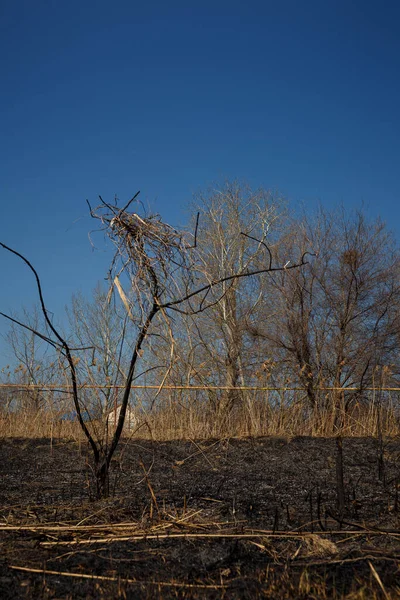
{"x":188,"y":414}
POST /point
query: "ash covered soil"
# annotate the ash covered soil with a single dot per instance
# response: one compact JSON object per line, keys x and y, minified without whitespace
{"x":248,"y":518}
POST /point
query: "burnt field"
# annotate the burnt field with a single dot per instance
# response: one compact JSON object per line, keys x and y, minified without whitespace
{"x":249,"y":518}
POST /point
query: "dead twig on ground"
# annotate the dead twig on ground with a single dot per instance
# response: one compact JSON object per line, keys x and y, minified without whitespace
{"x":117,"y":579}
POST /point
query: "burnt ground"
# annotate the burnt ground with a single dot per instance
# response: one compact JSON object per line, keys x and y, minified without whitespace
{"x":249,"y":518}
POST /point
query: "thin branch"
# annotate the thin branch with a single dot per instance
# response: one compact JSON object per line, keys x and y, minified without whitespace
{"x":90,"y":208}
{"x":51,"y":342}
{"x":112,"y":208}
{"x":37,"y":333}
{"x":66,"y":348}
{"x":195,"y":232}
{"x":260,"y":242}
{"x":129,"y":203}
{"x":128,"y":385}
{"x":230,"y":278}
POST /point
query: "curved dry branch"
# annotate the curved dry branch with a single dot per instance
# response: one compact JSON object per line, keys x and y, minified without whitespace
{"x":37,"y":333}
{"x":64,"y":346}
{"x":220,"y":280}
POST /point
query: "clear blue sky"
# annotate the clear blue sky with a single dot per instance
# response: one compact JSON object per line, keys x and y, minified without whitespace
{"x":167,"y":97}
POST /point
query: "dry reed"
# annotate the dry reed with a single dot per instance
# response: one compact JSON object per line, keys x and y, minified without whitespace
{"x":179,"y":415}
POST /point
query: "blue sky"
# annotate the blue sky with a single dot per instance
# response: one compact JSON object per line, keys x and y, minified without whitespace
{"x":169,"y":97}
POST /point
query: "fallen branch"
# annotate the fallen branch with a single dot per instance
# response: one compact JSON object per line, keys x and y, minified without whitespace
{"x":186,"y":536}
{"x":116,"y":579}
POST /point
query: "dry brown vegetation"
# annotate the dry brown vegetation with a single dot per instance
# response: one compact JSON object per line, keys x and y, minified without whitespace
{"x":249,"y":513}
{"x":181,"y":415}
{"x":265,"y":458}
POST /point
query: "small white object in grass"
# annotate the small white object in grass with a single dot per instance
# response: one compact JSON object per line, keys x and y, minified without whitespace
{"x":131,"y":419}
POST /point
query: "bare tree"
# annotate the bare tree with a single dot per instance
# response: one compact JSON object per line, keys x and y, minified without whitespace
{"x":99,"y":326}
{"x":160,"y":268}
{"x":235,"y":225}
{"x":336,"y":318}
{"x":33,"y":363}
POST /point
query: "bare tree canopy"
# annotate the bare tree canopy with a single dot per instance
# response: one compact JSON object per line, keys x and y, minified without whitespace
{"x":337,"y":319}
{"x":161,"y":267}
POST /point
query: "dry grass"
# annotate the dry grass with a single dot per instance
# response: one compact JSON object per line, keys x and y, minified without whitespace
{"x":179,"y":416}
